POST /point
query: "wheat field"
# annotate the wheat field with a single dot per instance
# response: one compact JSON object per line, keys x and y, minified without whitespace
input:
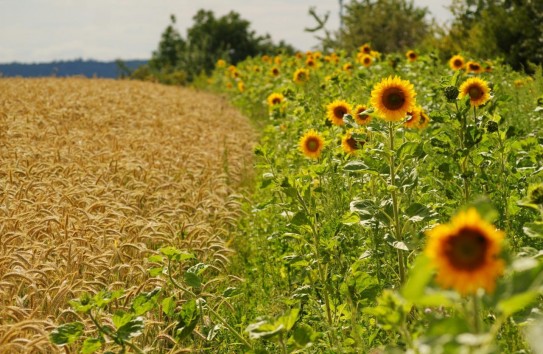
{"x":95,"y":176}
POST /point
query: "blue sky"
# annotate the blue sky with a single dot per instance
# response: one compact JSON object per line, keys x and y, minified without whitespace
{"x":46,"y":30}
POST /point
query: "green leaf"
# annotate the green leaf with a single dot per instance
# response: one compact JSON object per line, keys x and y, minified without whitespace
{"x":131,"y":329}
{"x":189,"y":317}
{"x":176,"y":254}
{"x":302,"y":335}
{"x":155,"y":271}
{"x":408,"y":148}
{"x":533,"y":229}
{"x":67,"y":333}
{"x":350,"y":218}
{"x":231,"y":291}
{"x":168,"y":306}
{"x":419,"y":276}
{"x":264,"y":330}
{"x":156,"y":258}
{"x":84,"y":304}
{"x":120,"y":318}
{"x":300,"y":218}
{"x":517,"y":302}
{"x":91,"y":345}
{"x":289,"y":319}
{"x":146,"y":301}
{"x":193,"y":280}
{"x":359,"y":166}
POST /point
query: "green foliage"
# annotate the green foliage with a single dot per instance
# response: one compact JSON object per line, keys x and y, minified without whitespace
{"x":389,"y":25}
{"x":499,"y":28}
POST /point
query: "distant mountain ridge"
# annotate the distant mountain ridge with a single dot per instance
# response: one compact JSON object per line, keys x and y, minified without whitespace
{"x":88,"y":68}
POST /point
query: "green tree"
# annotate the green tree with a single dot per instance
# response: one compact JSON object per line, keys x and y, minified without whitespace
{"x":170,"y":47}
{"x":512,"y":29}
{"x":389,"y":25}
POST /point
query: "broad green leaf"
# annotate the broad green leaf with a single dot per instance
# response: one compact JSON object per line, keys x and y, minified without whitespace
{"x":264,"y":330}
{"x":350,"y":218}
{"x":120,"y":318}
{"x":192,"y":279}
{"x":419,"y":276}
{"x":131,"y":329}
{"x":156,"y":258}
{"x":103,"y":298}
{"x":517,"y":302}
{"x":289,"y":319}
{"x":302,"y":335}
{"x":146,"y":301}
{"x":300,"y":218}
{"x":176,"y":254}
{"x":168,"y":306}
{"x":91,"y":345}
{"x":155,"y":271}
{"x":533,"y":229}
{"x":67,"y":333}
{"x":189,"y":317}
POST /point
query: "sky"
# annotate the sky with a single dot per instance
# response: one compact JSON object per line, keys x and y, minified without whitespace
{"x":33,"y":31}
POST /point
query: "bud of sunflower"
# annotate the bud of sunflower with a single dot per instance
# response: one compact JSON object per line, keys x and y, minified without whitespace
{"x":535,"y":194}
{"x":451,"y":92}
{"x":491,"y":126}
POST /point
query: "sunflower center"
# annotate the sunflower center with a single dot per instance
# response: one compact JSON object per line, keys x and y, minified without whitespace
{"x":474,"y":67}
{"x":475,"y":92}
{"x":276,"y":100}
{"x":367,"y":60}
{"x":312,"y":144}
{"x":467,"y":249}
{"x":458,"y":63}
{"x":353,"y":144}
{"x":393,"y":98}
{"x":339,"y":112}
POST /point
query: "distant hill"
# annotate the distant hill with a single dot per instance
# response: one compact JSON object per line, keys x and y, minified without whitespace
{"x":88,"y":68}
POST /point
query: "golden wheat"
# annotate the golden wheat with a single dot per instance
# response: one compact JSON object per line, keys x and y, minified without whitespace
{"x":95,"y":175}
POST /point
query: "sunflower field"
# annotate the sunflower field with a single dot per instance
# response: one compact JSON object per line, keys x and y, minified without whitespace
{"x":398,"y":208}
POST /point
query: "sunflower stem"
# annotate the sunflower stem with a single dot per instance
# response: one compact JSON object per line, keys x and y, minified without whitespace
{"x":476,"y":317}
{"x":395,"y":202}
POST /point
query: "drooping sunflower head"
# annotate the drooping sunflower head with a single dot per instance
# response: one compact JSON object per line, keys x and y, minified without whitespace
{"x":457,"y":62}
{"x":336,"y":110}
{"x":392,"y":98}
{"x":424,"y":120}
{"x":301,"y":75}
{"x":350,"y":143}
{"x":275,"y":99}
{"x":474,"y":67}
{"x":477,"y":90}
{"x":311,"y":144}
{"x":465,"y":253}
{"x":360,"y":117}
{"x":413,"y":118}
{"x":411,"y":55}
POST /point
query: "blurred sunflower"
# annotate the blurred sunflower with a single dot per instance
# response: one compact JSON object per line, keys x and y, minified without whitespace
{"x":424,"y":120}
{"x":359,"y":117}
{"x":275,"y":99}
{"x":477,"y":90}
{"x":301,"y":75}
{"x":465,"y":253}
{"x":348,"y":67}
{"x":221,"y":63}
{"x":349,"y":144}
{"x":274,"y":71}
{"x":365,"y":48}
{"x":392,"y":98}
{"x":311,"y":144}
{"x":310,"y":62}
{"x":366,"y":60}
{"x":457,"y":62}
{"x":336,"y":110}
{"x":241,"y":86}
{"x":474,"y":67}
{"x":411,"y":55}
{"x":413,"y":118}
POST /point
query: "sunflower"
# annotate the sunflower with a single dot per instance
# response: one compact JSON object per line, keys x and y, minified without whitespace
{"x":366,"y":60}
{"x":311,"y":144}
{"x":241,"y":86}
{"x":411,"y":55}
{"x":457,"y":62}
{"x":424,"y":120}
{"x":362,"y":119}
{"x":274,"y":71}
{"x":310,"y":62}
{"x":336,"y":110}
{"x":413,"y":118}
{"x":275,"y":99}
{"x":221,"y":63}
{"x":301,"y":75}
{"x":465,"y":253}
{"x":349,"y":144}
{"x":476,"y":89}
{"x":348,"y":67}
{"x":392,"y":98}
{"x":474,"y":67}
{"x":366,"y":49}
